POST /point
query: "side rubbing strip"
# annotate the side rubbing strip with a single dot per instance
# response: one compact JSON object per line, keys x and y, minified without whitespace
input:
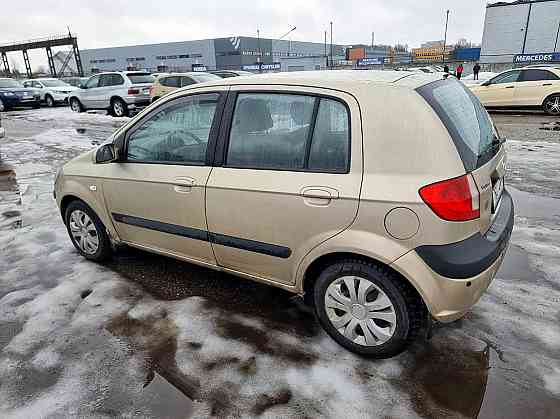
{"x":251,"y":245}
{"x":196,"y":234}
{"x":191,"y":233}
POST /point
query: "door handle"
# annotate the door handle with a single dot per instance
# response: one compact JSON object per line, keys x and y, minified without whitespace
{"x":321,"y":192}
{"x":510,"y":87}
{"x":547,"y":84}
{"x":183,"y":184}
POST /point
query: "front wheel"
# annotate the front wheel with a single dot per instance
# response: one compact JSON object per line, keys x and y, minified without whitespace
{"x":49,"y":101}
{"x":368,"y":309}
{"x":119,"y":108}
{"x":87,"y":232}
{"x":75,"y":105}
{"x":551,"y":105}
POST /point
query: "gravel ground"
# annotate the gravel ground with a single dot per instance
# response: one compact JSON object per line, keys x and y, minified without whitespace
{"x":148,"y":336}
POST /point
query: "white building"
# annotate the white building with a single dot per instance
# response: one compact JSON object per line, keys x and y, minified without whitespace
{"x":521,"y":32}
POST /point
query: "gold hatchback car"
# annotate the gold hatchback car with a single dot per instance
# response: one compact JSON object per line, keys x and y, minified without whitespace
{"x":379,"y":196}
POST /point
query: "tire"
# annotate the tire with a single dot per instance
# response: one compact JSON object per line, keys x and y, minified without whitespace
{"x":551,"y":105}
{"x":2,"y":106}
{"x":49,"y":101}
{"x":154,"y":99}
{"x":37,"y":105}
{"x":119,"y":108}
{"x":392,"y":314}
{"x":75,"y":105}
{"x":82,"y":222}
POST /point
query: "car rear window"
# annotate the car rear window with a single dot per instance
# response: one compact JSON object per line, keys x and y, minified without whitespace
{"x":141,"y":78}
{"x":465,"y":118}
{"x":201,"y":78}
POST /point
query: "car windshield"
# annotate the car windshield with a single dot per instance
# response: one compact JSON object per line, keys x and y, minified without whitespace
{"x":10,"y":83}
{"x":201,"y":78}
{"x":54,"y":83}
{"x":465,"y":118}
{"x":141,"y":78}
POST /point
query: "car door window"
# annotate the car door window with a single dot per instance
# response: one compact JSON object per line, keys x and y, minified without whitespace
{"x":270,"y":131}
{"x":37,"y":85}
{"x":537,"y":75}
{"x":509,"y":77}
{"x":173,"y":81}
{"x":176,"y":134}
{"x":186,"y":81}
{"x":330,"y":144}
{"x":105,"y":80}
{"x":92,"y":82}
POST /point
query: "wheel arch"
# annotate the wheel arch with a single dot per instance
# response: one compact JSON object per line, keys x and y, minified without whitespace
{"x":549,"y":96}
{"x":317,"y":265}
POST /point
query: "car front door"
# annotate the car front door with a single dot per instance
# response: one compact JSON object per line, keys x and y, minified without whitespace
{"x":39,"y":86}
{"x":498,"y":91}
{"x":284,"y":180}
{"x":155,"y":193}
{"x":534,"y":86}
{"x":87,"y":95}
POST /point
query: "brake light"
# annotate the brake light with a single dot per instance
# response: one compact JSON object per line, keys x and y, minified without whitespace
{"x":455,"y":199}
{"x":133,"y":91}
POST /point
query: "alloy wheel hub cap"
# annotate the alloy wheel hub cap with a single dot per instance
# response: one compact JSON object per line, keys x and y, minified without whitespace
{"x":359,"y":311}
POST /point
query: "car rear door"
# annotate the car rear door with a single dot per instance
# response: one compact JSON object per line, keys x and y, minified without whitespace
{"x":534,"y":86}
{"x":287,"y":177}
{"x":499,"y":91}
{"x":101,"y":97}
{"x":87,"y":95}
{"x":155,"y":194}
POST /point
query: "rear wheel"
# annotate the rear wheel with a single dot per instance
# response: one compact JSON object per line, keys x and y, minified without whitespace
{"x":367,"y":308}
{"x":75,"y":105}
{"x":119,"y":108}
{"x":551,"y":105}
{"x":87,"y":232}
{"x":49,"y":101}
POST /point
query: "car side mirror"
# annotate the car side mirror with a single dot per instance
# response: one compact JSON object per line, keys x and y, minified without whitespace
{"x":105,"y":154}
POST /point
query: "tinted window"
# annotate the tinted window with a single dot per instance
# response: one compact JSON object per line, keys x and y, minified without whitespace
{"x":140,"y":78}
{"x":186,"y":81}
{"x":270,"y":131}
{"x":331,"y":138}
{"x":509,"y":77}
{"x":105,"y":80}
{"x":537,"y":75}
{"x":178,"y":133}
{"x":170,"y":81}
{"x":92,"y":82}
{"x":465,"y":118}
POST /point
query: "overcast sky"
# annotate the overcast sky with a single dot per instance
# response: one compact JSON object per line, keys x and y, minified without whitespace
{"x":105,"y":23}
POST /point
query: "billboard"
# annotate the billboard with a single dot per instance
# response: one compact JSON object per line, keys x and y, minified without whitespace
{"x":261,"y":67}
{"x":549,"y":57}
{"x":372,"y":61}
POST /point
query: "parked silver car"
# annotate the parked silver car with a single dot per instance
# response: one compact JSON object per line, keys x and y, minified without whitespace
{"x":119,"y":92}
{"x":53,"y":91}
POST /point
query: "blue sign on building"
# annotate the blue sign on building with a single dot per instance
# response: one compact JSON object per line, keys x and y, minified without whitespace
{"x":371,"y":61}
{"x":549,"y":57}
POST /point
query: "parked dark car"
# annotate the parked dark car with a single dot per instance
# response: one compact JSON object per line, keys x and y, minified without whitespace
{"x":224,"y":74}
{"x":13,"y":94}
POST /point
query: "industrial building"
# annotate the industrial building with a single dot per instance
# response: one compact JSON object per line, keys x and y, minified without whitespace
{"x":233,"y":53}
{"x":521,"y":33}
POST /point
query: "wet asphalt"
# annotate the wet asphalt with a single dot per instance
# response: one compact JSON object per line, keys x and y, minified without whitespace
{"x":442,"y":376}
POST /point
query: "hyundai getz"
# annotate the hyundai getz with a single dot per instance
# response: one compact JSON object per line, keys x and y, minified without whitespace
{"x":379,"y":196}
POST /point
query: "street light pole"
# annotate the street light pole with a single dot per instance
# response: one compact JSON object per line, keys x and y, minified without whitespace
{"x":557,"y":33}
{"x":326,"y":56}
{"x":331,"y":48}
{"x":445,"y":36}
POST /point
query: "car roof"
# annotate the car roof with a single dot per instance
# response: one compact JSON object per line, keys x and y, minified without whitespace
{"x":187,"y":73}
{"x":345,"y":80}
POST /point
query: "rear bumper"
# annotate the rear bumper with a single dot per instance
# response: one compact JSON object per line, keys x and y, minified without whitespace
{"x":452,"y":278}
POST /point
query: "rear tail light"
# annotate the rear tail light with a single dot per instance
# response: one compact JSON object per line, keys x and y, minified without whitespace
{"x":455,"y":199}
{"x":133,"y":91}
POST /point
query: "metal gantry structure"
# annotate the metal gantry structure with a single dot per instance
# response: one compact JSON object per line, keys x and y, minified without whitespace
{"x":47,"y":43}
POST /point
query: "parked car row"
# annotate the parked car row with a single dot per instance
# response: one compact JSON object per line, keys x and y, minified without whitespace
{"x":52,"y":91}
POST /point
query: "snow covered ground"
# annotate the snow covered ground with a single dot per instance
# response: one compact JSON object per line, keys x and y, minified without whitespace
{"x":132,"y":337}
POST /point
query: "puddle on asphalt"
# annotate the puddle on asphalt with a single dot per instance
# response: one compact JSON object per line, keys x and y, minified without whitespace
{"x":168,"y":392}
{"x":10,"y":199}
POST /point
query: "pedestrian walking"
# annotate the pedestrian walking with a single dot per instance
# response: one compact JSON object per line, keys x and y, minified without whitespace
{"x":476,"y":70}
{"x":459,"y":71}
